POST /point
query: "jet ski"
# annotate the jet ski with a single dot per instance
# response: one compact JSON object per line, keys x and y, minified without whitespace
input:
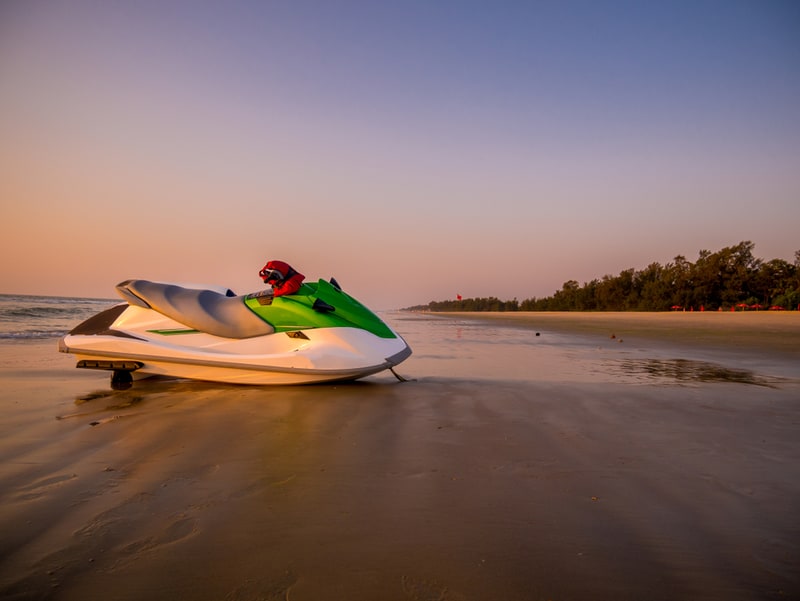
{"x":318,"y":334}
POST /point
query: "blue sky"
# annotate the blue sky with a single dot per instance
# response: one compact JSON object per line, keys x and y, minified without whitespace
{"x":415,"y":150}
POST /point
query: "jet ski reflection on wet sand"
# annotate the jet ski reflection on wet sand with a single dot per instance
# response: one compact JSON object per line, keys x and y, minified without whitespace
{"x":318,"y":334}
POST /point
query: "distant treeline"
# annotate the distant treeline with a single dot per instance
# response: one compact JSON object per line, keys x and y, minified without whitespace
{"x":729,"y":279}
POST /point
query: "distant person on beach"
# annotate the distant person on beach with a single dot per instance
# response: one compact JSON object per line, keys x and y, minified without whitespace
{"x":282,"y":277}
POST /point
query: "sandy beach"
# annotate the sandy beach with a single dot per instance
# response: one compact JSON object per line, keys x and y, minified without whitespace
{"x":613,"y":456}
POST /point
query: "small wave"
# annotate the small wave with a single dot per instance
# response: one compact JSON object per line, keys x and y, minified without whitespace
{"x":50,"y":311}
{"x":36,"y":318}
{"x":35,"y":298}
{"x":32,"y":335}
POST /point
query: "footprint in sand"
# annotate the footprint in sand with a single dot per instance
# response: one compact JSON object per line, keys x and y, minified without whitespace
{"x":264,"y":589}
{"x":426,"y":590}
{"x":176,"y":531}
{"x":42,"y":486}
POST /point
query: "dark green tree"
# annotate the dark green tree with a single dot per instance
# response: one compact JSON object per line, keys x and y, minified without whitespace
{"x":724,"y":279}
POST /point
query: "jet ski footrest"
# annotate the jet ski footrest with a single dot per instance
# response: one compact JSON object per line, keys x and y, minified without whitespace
{"x":110,"y":365}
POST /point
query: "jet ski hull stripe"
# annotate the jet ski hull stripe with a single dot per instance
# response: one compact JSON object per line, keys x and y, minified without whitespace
{"x":366,"y":370}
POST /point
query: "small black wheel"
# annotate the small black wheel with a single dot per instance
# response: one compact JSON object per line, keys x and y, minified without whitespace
{"x":121,"y":380}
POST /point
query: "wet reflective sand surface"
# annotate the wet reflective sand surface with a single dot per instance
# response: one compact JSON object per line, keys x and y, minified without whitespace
{"x":567,"y":465}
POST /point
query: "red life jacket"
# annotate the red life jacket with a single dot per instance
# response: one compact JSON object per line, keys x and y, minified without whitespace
{"x":292,"y":279}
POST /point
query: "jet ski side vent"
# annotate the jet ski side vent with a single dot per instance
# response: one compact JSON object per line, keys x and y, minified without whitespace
{"x":323,"y":307}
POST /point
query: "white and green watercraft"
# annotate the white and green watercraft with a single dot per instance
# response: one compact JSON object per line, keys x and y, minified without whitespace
{"x":319,"y":334}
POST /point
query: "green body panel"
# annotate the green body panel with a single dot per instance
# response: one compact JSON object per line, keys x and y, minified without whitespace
{"x":296,"y":312}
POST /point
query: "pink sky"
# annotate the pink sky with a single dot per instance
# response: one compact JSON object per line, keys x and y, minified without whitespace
{"x":414,"y":152}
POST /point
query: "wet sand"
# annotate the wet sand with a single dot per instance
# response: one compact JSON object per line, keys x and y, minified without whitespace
{"x":514,"y":467}
{"x":746,"y":331}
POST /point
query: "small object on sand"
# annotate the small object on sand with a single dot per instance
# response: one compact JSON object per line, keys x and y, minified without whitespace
{"x":613,"y":336}
{"x":595,"y":498}
{"x":537,"y":333}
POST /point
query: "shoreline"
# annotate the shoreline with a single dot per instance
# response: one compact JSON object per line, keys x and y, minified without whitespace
{"x":775,"y":333}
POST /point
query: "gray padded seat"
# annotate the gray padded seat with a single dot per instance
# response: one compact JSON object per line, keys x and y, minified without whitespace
{"x":204,"y":310}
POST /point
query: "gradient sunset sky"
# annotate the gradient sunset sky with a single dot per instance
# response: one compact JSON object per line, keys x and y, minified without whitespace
{"x":414,"y":150}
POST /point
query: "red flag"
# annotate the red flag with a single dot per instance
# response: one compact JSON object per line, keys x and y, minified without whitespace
{"x":458,"y":297}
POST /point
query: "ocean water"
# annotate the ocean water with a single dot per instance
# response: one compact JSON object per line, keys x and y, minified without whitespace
{"x":24,"y":317}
